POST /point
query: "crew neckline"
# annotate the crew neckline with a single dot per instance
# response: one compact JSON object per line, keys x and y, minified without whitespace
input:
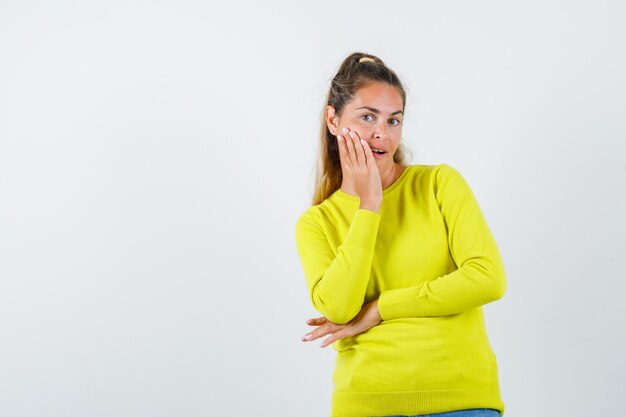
{"x":394,"y":185}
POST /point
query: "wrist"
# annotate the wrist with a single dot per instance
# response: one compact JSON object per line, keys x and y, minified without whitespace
{"x":378,"y":310}
{"x":372,"y":205}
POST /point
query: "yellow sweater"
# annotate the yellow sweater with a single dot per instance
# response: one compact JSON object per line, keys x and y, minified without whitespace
{"x":431,"y":261}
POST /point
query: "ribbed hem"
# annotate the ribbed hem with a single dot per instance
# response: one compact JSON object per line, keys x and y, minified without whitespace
{"x":410,"y":403}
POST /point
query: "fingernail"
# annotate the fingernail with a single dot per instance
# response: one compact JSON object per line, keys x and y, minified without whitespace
{"x":351,"y":134}
{"x":344,"y":130}
{"x":308,"y":336}
{"x":363,"y":141}
{"x":339,"y":137}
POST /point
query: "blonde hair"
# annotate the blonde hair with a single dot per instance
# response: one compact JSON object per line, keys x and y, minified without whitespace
{"x":353,"y":74}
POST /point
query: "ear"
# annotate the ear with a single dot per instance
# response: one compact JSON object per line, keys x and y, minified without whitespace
{"x":332,"y":120}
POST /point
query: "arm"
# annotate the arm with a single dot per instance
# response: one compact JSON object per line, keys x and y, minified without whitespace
{"x":480,"y":277}
{"x":337,"y":282}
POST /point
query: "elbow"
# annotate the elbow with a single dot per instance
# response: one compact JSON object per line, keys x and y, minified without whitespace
{"x":333,"y":310}
{"x":490,"y":272}
{"x":489,"y":275}
{"x":338,"y":314}
{"x":498,"y":282}
{"x":340,"y":317}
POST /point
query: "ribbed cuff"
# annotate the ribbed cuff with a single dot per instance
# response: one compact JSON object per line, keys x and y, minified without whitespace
{"x":400,"y":302}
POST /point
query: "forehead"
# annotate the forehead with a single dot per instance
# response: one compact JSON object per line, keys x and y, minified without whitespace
{"x":382,"y":96}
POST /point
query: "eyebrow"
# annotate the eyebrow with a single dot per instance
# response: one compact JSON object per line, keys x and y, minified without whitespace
{"x":378,"y":111}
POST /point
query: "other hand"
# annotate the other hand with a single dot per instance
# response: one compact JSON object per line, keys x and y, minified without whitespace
{"x":368,"y":317}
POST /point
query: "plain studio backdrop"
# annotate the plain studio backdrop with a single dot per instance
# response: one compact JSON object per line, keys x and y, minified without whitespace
{"x":155,"y":156}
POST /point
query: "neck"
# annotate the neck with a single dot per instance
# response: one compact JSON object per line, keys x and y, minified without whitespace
{"x":389,"y":175}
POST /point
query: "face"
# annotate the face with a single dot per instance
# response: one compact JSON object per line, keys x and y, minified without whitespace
{"x":375,"y":113}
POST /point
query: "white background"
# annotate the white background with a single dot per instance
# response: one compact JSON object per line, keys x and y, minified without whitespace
{"x":155,"y":155}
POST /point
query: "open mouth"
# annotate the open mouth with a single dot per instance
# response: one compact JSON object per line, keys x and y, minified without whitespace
{"x":378,"y":153}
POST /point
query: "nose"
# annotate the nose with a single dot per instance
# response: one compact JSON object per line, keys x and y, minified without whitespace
{"x":380,"y":131}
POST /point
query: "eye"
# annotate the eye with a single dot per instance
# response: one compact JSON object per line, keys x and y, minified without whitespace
{"x":366,"y":115}
{"x":397,"y":122}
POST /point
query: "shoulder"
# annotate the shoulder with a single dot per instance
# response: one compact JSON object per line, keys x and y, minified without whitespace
{"x":445,"y":169}
{"x":431,"y":169}
{"x":310,"y":218}
{"x":445,"y":175}
{"x":435,"y":174}
{"x":450,"y":186}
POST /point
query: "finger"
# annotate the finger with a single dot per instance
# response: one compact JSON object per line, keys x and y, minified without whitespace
{"x":356,"y":160}
{"x":343,"y":151}
{"x":358,"y":147}
{"x":351,"y":149}
{"x":316,"y":321}
{"x":327,"y":328}
{"x":315,"y":334}
{"x":308,"y":337}
{"x":334,"y":337}
{"x":369,"y":155}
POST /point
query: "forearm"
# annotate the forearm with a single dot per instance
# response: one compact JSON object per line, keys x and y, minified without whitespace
{"x":337,"y":279}
{"x":473,"y":285}
{"x":339,"y":294}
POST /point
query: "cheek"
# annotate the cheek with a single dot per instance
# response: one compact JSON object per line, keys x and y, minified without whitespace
{"x":396,"y":142}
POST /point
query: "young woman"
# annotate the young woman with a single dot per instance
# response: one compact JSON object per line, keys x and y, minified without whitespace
{"x":399,"y":260}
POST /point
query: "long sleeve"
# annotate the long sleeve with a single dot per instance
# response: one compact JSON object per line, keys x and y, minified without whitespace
{"x":337,"y":282}
{"x":479,"y":278}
